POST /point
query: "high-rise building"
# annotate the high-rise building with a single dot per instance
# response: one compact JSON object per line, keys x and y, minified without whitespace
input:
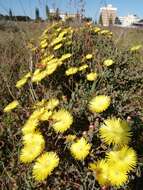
{"x":108,"y":15}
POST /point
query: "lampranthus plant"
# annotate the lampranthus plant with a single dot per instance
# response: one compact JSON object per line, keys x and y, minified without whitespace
{"x":115,"y":131}
{"x":44,"y":165}
{"x":101,"y":171}
{"x":125,"y":159}
{"x":99,"y":103}
{"x":80,"y":149}
{"x":70,"y":66}
{"x":11,"y":106}
{"x":62,"y":120}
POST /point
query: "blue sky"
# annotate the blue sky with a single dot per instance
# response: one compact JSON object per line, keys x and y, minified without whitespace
{"x":27,"y":7}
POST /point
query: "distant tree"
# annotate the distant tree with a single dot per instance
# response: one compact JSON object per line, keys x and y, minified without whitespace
{"x":37,"y":14}
{"x":57,"y":14}
{"x":47,"y":12}
{"x":87,"y":19}
{"x":100,"y":20}
{"x":117,"y":21}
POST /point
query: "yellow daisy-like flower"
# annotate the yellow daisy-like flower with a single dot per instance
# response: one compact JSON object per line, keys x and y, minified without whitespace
{"x":46,"y":115}
{"x":136,"y":48}
{"x":62,"y":120}
{"x":101,"y":170}
{"x":30,"y":152}
{"x":51,"y":68}
{"x":11,"y":106}
{"x":30,"y":126}
{"x":52,"y":104}
{"x":37,"y":113}
{"x":39,"y":76}
{"x":99,"y":103}
{"x":65,"y":56}
{"x":56,"y":41}
{"x":22,"y":81}
{"x":43,"y":45}
{"x":58,"y":46}
{"x":108,"y":62}
{"x":83,"y":67}
{"x":46,"y":59}
{"x":117,"y":177}
{"x":115,"y":131}
{"x":33,"y":139}
{"x":104,"y":32}
{"x":44,"y":165}
{"x":61,"y":35}
{"x":97,"y":29}
{"x":91,"y":76}
{"x":80,"y":149}
{"x":89,"y":56}
{"x":71,"y":71}
{"x":125,"y":159}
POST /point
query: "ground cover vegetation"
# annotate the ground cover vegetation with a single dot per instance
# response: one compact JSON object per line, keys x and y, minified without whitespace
{"x":72,"y":111}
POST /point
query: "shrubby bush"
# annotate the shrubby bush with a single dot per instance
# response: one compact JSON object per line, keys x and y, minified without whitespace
{"x":81,"y":110}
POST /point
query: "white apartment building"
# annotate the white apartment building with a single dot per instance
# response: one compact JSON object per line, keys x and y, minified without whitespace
{"x":129,"y":20}
{"x":108,"y":14}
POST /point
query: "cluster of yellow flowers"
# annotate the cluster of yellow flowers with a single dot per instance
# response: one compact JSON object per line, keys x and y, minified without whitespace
{"x":114,"y":132}
{"x":114,"y":169}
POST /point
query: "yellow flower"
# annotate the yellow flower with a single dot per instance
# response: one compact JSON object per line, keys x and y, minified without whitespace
{"x":33,"y":139}
{"x":89,"y":56}
{"x":22,"y":81}
{"x":44,"y":165}
{"x":30,"y":126}
{"x":115,"y":131}
{"x":65,"y":56}
{"x":52,"y":104}
{"x":30,"y":152}
{"x":37,"y":113}
{"x":62,"y":120}
{"x":108,"y":62}
{"x":51,"y":68}
{"x":46,"y":59}
{"x":104,"y":32}
{"x":61,"y":35}
{"x":80,"y":149}
{"x":96,"y":29}
{"x":71,"y":71}
{"x":101,"y":170}
{"x":91,"y":76}
{"x":11,"y":106}
{"x":117,"y":177}
{"x":39,"y":76}
{"x":136,"y":48}
{"x":99,"y":103}
{"x":125,"y":159}
{"x":58,"y":46}
{"x":43,"y":45}
{"x":56,"y":41}
{"x":46,"y":115}
{"x":83,"y":67}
